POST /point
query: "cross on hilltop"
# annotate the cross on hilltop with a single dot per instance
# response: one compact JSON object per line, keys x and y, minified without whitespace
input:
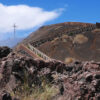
{"x":14,"y":26}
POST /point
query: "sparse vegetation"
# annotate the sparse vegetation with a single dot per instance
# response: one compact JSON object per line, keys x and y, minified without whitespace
{"x":71,"y":34}
{"x":96,"y":30}
{"x":80,"y":39}
{"x":56,"y":39}
{"x":64,"y":38}
{"x":39,"y":55}
{"x":46,"y":94}
{"x":69,"y":60}
{"x":43,"y":92}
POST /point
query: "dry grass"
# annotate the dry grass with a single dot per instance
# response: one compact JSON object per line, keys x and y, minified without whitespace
{"x":80,"y":39}
{"x":44,"y":92}
{"x":55,"y":40}
{"x":96,"y":30}
{"x":64,"y":38}
{"x":69,"y":60}
{"x":47,"y":94}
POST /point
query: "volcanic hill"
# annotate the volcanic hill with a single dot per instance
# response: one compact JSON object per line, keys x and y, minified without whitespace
{"x":67,"y":40}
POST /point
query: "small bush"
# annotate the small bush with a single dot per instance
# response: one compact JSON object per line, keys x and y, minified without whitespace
{"x":65,"y":36}
{"x":39,"y":55}
{"x":44,"y":93}
{"x":69,"y":60}
{"x":80,"y":39}
{"x":96,"y":30}
{"x":55,"y":40}
{"x":71,"y":34}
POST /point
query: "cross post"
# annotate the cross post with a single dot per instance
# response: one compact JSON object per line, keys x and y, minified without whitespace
{"x":14,"y":26}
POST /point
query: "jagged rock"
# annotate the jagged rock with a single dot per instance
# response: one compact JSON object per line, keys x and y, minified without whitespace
{"x":4,"y":51}
{"x":61,"y":89}
{"x":5,"y":96}
{"x":77,"y":81}
{"x":89,"y":78}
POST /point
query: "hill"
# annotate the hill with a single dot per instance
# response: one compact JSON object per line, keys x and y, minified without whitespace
{"x":69,"y":40}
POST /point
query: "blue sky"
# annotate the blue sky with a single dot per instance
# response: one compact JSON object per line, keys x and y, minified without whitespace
{"x":61,"y":11}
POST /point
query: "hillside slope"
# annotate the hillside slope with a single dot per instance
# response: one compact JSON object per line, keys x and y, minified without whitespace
{"x":51,"y":30}
{"x":70,"y":39}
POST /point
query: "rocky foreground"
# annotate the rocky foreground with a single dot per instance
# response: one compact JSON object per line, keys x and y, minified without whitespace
{"x":76,"y":81}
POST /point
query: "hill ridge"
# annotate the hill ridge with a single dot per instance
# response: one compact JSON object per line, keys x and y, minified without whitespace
{"x":76,"y":31}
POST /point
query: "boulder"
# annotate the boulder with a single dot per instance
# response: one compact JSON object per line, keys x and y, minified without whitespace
{"x":4,"y":51}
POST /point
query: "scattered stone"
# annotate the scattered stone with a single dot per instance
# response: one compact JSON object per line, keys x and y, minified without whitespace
{"x":76,"y":81}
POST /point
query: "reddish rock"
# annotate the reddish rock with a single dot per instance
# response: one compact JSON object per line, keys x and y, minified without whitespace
{"x":76,"y":81}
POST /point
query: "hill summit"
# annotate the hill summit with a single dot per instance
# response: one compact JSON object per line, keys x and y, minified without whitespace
{"x":67,"y":41}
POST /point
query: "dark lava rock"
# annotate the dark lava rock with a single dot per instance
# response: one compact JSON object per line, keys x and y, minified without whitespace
{"x":4,"y":95}
{"x":97,"y":76}
{"x":89,"y":78}
{"x":79,"y":80}
{"x":4,"y":51}
{"x":14,"y":69}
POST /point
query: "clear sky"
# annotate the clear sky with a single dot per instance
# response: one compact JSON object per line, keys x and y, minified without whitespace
{"x":44,"y":12}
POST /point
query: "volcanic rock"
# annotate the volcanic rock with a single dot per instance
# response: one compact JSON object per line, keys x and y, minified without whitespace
{"x":76,"y":81}
{"x":4,"y":51}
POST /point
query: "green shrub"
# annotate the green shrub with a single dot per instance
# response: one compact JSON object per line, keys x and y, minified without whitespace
{"x":71,"y":34}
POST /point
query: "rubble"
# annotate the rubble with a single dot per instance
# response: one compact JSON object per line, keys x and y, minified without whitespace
{"x":76,"y":81}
